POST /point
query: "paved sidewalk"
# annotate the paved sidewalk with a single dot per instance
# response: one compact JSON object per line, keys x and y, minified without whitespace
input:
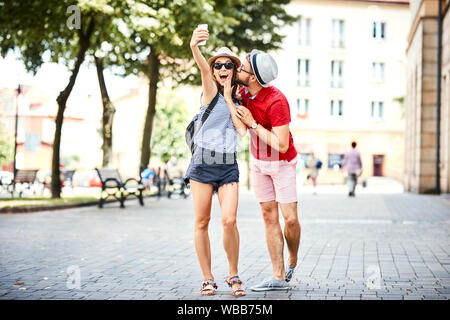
{"x":391,"y":246}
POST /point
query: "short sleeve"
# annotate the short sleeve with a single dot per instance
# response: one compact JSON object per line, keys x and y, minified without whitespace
{"x":279,"y":113}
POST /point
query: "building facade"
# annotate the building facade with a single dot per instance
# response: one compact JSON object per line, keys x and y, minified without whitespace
{"x":421,"y":98}
{"x":342,"y":68}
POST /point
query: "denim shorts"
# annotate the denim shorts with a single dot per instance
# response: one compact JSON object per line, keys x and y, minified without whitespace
{"x":216,"y":173}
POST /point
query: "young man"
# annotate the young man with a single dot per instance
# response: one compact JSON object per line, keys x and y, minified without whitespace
{"x":352,"y":164}
{"x":267,"y":114}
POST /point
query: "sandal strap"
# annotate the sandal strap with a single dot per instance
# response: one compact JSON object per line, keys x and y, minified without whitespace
{"x":232,"y":280}
{"x":208,"y":282}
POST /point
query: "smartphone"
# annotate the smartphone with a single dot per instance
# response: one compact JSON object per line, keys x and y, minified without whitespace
{"x":202,"y":27}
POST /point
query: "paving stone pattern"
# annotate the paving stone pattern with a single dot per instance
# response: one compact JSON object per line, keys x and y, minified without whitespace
{"x":372,"y":247}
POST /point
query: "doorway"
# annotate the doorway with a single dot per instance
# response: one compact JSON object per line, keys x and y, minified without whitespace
{"x":378,"y":160}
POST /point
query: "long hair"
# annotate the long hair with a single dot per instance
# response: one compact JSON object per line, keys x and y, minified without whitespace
{"x":234,"y":85}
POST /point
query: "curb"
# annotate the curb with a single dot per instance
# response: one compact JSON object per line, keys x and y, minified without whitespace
{"x":12,"y":210}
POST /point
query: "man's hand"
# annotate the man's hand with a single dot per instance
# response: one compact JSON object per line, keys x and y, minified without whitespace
{"x":245,"y":115}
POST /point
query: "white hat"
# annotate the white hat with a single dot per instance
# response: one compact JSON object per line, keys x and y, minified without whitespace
{"x":264,"y":67}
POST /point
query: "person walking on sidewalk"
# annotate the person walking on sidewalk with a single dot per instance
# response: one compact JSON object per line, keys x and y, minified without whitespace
{"x":314,"y":165}
{"x":210,"y":170}
{"x":352,"y":164}
{"x":266,"y":113}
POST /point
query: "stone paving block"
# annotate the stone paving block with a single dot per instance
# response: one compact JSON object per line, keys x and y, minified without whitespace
{"x":117,"y":264}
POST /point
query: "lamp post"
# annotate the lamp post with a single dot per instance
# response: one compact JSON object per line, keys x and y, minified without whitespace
{"x":15,"y":130}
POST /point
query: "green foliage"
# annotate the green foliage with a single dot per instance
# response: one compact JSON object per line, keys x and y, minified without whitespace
{"x":169,"y":127}
{"x":6,"y":147}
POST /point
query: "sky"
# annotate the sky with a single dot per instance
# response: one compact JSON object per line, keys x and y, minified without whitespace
{"x":54,"y":78}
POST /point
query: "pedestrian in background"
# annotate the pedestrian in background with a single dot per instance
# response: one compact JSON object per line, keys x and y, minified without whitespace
{"x":352,"y":165}
{"x":314,"y":165}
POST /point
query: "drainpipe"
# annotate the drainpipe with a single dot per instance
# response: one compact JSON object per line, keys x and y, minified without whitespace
{"x":438,"y":101}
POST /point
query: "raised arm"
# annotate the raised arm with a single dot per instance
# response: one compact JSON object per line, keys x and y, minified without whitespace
{"x":208,"y":85}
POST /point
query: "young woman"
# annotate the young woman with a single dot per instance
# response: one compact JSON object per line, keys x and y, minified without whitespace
{"x":213,"y":166}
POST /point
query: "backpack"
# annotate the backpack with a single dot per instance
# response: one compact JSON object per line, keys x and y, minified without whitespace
{"x":194,"y":126}
{"x":319,"y":164}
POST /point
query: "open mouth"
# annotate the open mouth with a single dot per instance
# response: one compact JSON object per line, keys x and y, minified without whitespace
{"x":223,"y":76}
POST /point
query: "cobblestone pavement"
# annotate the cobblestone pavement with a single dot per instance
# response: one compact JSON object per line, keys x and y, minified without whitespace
{"x":391,"y":246}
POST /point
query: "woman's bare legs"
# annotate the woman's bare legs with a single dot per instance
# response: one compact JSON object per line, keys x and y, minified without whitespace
{"x":202,"y":196}
{"x":228,"y":198}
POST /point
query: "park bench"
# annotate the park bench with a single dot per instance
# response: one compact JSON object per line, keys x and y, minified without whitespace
{"x":175,"y":185}
{"x":114,"y":186}
{"x":66,"y":178}
{"x":26,"y":178}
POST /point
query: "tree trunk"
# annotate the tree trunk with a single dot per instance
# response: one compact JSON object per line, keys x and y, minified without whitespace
{"x":108,"y":115}
{"x":61,"y":100}
{"x":153,"y":75}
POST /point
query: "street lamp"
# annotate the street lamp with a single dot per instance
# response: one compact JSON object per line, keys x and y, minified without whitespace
{"x":15,"y":130}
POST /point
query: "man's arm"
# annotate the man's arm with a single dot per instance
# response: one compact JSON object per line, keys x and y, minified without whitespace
{"x":278,"y":138}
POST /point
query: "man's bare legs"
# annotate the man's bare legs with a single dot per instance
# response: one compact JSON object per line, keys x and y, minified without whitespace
{"x":292,"y":230}
{"x":274,"y":235}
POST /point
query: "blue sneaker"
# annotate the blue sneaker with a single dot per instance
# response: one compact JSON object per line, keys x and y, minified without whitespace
{"x":269,"y":284}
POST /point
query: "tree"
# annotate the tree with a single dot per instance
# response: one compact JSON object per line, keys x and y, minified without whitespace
{"x":170,"y":126}
{"x":160,"y":33}
{"x":6,"y":148}
{"x":33,"y":27}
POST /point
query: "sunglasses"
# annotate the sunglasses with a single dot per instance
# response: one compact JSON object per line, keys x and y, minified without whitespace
{"x":228,"y":65}
{"x":242,"y":69}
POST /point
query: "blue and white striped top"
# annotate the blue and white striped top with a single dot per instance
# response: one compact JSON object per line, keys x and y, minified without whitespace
{"x":218,"y":132}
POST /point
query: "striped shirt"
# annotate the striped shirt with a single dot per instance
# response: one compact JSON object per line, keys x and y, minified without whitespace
{"x":218,"y":132}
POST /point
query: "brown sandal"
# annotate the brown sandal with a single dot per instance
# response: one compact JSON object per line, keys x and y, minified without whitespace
{"x":235,"y":291}
{"x":208,"y":288}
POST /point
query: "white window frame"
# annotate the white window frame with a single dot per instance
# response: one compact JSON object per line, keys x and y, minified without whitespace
{"x":337,"y":71}
{"x":379,"y":27}
{"x":378,"y":71}
{"x":302,"y":109}
{"x":377,"y":110}
{"x":338,"y":33}
{"x":303,"y":72}
{"x":336,"y":108}
{"x":304,"y":32}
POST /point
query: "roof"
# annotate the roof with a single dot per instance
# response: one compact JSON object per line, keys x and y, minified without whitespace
{"x":384,"y":1}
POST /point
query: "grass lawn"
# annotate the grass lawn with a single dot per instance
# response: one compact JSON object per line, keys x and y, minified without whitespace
{"x":40,"y":201}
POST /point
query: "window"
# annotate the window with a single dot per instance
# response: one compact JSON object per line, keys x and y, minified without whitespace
{"x":32,"y":142}
{"x":336,"y":74}
{"x":376,"y":111}
{"x":336,"y":108}
{"x":335,"y":160}
{"x":303,"y":72}
{"x":378,"y":71}
{"x":337,"y":32}
{"x":379,"y":30}
{"x":304,"y":32}
{"x":302,"y":108}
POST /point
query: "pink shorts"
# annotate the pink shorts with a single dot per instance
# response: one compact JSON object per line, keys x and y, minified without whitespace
{"x":274,"y":180}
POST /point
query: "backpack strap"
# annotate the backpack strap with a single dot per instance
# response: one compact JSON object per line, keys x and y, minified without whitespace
{"x":210,"y":107}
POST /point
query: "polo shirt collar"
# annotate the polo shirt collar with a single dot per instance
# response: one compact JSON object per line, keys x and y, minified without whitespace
{"x":262,"y":94}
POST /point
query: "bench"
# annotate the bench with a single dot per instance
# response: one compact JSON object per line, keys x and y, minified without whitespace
{"x":175,"y":185}
{"x":25,"y":178}
{"x":114,"y":186}
{"x":65,"y":176}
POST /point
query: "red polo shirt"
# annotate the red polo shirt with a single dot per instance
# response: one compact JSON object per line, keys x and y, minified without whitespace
{"x":269,"y":108}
